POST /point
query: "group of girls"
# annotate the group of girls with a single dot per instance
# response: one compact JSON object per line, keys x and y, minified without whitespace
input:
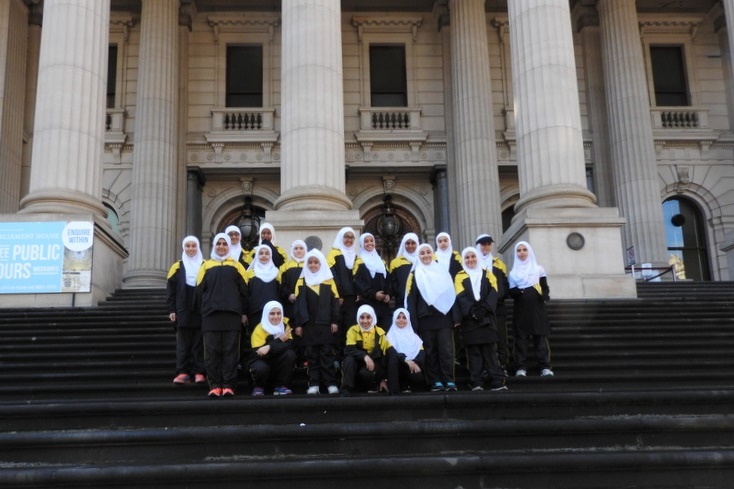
{"x":259,"y":311}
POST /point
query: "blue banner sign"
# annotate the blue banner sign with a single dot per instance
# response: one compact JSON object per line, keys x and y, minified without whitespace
{"x":45,"y":257}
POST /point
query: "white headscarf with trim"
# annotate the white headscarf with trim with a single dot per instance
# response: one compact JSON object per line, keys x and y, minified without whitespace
{"x":349,"y":253}
{"x":322,"y":275}
{"x":485,"y":261}
{"x":364,"y":308}
{"x":214,"y":255}
{"x":234,"y":250}
{"x":525,"y":273}
{"x":305,"y":247}
{"x":267,"y":225}
{"x":404,"y":340}
{"x":444,"y":257}
{"x":411,"y":257}
{"x":434,"y":283}
{"x":272,"y":329}
{"x":191,"y":264}
{"x":476,"y":273}
{"x":371,"y":259}
{"x":267,"y":272}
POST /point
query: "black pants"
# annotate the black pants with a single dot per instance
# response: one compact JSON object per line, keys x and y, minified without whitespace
{"x":484,"y":368}
{"x":542,"y":351}
{"x":400,"y":378}
{"x":321,"y":365}
{"x":221,"y":353}
{"x":275,"y":369}
{"x":439,"y":346}
{"x":355,"y":374}
{"x":189,"y":351}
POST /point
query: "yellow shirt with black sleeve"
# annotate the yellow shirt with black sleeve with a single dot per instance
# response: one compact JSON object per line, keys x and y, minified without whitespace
{"x":373,"y":343}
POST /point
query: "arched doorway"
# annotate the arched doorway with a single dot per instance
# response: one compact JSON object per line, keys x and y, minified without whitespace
{"x":686,"y":239}
{"x":387,"y":247}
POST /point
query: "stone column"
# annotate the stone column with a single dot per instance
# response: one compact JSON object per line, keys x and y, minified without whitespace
{"x":441,"y":203}
{"x":727,"y":43}
{"x":477,"y":178}
{"x":312,"y":168}
{"x":556,"y":213}
{"x":68,"y":136}
{"x":13,"y":50}
{"x":194,"y":186}
{"x":630,"y":131}
{"x":154,"y":183}
{"x":550,"y":149}
{"x":312,"y":121}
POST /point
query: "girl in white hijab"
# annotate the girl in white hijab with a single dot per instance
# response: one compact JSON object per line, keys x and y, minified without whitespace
{"x":446,"y":256}
{"x":476,"y":302}
{"x":529,"y":289}
{"x":410,"y":355}
{"x":366,"y":354}
{"x":290,"y":273}
{"x":267,"y":237}
{"x":401,"y":266}
{"x":430,"y":297}
{"x":235,"y":244}
{"x":181,"y":300}
{"x":272,"y":356}
{"x":341,"y":261}
{"x":263,"y":280}
{"x":371,"y":279}
{"x":316,"y":316}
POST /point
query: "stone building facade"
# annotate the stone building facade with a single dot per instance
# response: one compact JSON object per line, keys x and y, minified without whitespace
{"x":599,"y":130}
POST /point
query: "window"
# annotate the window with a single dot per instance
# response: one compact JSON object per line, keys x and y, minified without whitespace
{"x":244,"y":76}
{"x":388,"y":81}
{"x":669,"y":76}
{"x":686,"y":239}
{"x":111,"y":76}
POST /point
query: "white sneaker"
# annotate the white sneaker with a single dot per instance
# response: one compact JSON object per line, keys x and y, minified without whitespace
{"x":546,"y":373}
{"x":521,"y":373}
{"x":333,"y":389}
{"x":314,"y":389}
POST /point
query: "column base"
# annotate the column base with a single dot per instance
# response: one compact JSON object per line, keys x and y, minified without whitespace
{"x":580,"y":249}
{"x":324,"y":225}
{"x":107,"y":258}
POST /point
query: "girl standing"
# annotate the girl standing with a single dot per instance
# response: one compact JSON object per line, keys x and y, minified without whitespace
{"x":429,"y":298}
{"x":446,"y":255}
{"x":263,"y":280}
{"x":222,"y":289}
{"x":529,"y":289}
{"x":476,"y":300}
{"x":316,"y":319}
{"x":401,"y":266}
{"x":235,"y":250}
{"x":341,"y":262}
{"x":371,"y":279}
{"x":289,"y":274}
{"x":181,"y":300}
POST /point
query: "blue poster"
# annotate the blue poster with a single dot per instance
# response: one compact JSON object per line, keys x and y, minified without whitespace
{"x":43,"y":257}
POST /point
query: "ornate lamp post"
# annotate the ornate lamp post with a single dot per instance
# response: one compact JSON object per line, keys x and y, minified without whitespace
{"x":249,"y":224}
{"x":389,"y":225}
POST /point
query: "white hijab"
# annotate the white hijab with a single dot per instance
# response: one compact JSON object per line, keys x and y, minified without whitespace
{"x":272,"y":329}
{"x":411,"y":257}
{"x":191,"y":264}
{"x":267,"y":225}
{"x":267,"y":272}
{"x":305,"y":247}
{"x":434,"y":283}
{"x":371,"y":259}
{"x":476,"y":273}
{"x":214,"y":255}
{"x":364,"y":308}
{"x":349,"y":253}
{"x":234,"y":250}
{"x":404,"y":340}
{"x":444,"y":257}
{"x":526,"y":273}
{"x":319,"y":277}
{"x":485,"y":261}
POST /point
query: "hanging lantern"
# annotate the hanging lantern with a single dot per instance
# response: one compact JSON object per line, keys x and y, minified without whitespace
{"x":249,"y":224}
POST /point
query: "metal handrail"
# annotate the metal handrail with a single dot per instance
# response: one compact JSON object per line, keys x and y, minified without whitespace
{"x":669,"y":269}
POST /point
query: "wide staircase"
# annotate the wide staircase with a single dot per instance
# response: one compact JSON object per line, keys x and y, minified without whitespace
{"x":642,"y":397}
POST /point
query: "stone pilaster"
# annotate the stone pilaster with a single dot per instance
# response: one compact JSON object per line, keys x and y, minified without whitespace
{"x":477,"y":179}
{"x":312,"y":118}
{"x":441,"y":200}
{"x":312,"y":171}
{"x":556,"y":213}
{"x":13,"y":42}
{"x":68,"y":136}
{"x":154,"y":182}
{"x":630,"y":131}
